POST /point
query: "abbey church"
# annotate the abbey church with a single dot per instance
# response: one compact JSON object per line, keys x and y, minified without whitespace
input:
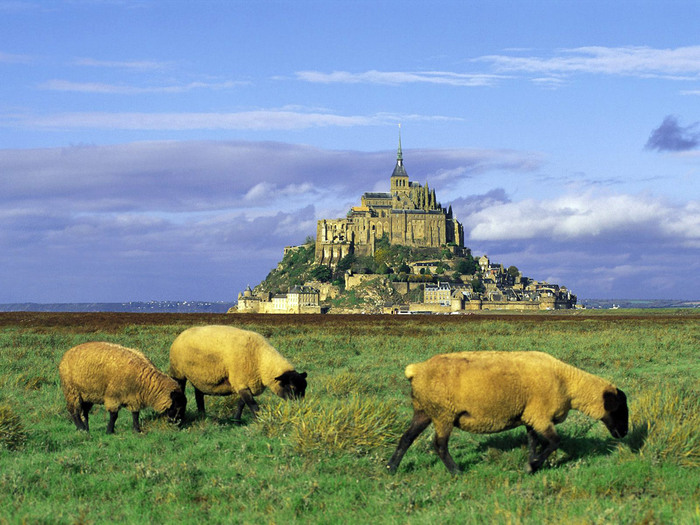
{"x":409,"y":214}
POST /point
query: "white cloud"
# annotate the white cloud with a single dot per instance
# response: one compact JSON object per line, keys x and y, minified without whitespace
{"x":682,"y":63}
{"x":141,"y":65}
{"x":587,"y":216}
{"x":11,"y":58}
{"x":401,"y":77}
{"x":259,"y":120}
{"x":247,"y":120}
{"x":115,"y":89}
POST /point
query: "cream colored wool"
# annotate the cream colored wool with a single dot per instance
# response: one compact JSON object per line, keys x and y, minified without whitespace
{"x":113,"y":375}
{"x":502,"y":390}
{"x":205,"y":355}
{"x":487,"y":392}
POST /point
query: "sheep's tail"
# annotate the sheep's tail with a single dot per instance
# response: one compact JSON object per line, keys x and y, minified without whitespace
{"x":410,"y":371}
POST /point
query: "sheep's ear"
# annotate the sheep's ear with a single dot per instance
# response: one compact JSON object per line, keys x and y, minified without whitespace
{"x":284,"y":378}
{"x":612,"y":400}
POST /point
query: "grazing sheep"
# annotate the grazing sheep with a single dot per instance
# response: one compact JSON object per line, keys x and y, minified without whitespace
{"x":221,"y":360}
{"x":486,"y":392}
{"x":110,"y":374}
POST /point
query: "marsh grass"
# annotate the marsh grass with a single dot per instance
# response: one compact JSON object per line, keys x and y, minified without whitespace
{"x":322,"y":460}
{"x":357,"y":425}
{"x":665,"y":427}
{"x":12,"y":433}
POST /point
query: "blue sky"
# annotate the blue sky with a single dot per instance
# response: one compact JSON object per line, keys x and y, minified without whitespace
{"x":169,"y":150}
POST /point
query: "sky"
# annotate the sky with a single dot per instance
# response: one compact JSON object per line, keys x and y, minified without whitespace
{"x":170,"y":150}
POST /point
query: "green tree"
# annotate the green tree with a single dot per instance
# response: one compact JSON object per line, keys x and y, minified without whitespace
{"x":345,"y":263}
{"x":321,"y":273}
{"x":467,"y":265}
{"x":381,"y":256}
{"x":404,"y":268}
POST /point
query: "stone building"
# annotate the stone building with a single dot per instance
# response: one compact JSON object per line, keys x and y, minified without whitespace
{"x":409,"y":214}
{"x":298,"y":300}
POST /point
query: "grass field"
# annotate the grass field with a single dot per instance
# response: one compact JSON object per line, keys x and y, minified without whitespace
{"x":321,"y":460}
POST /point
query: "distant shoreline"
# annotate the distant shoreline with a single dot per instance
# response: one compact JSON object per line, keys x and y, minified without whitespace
{"x":126,"y":307}
{"x":224,"y":306}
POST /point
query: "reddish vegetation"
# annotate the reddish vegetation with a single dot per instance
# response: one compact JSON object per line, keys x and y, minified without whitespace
{"x":115,"y":321}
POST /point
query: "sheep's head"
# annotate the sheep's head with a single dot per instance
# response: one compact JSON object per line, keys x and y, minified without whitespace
{"x":291,"y":385}
{"x":176,"y":411}
{"x":616,"y":416}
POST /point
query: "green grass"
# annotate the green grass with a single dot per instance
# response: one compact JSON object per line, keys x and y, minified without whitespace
{"x":321,"y":460}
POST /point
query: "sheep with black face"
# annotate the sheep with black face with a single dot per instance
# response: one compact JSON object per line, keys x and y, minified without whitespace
{"x":116,"y":376}
{"x":222,"y":360}
{"x":487,"y":392}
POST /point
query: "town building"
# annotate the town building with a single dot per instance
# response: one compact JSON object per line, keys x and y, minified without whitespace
{"x":298,"y":300}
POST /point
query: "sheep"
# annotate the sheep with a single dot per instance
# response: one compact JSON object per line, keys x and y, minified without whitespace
{"x":116,"y":376}
{"x":222,"y":360}
{"x":487,"y":392}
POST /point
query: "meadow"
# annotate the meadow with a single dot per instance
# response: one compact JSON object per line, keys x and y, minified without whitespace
{"x":322,"y":459}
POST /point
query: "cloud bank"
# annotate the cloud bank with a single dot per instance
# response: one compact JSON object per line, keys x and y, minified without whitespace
{"x":201,"y":220}
{"x":107,"y":223}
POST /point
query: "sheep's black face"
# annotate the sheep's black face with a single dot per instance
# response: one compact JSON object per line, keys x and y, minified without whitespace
{"x":616,"y":417}
{"x":293,"y":384}
{"x":176,"y":412}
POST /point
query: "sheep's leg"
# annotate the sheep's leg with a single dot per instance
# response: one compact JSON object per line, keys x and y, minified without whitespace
{"x":112,"y":420}
{"x":182,"y":382}
{"x":551,"y":439}
{"x":135,"y":419}
{"x":532,"y":442}
{"x":248,"y":399}
{"x":86,"y":414}
{"x":75,"y":416}
{"x":199,"y":398}
{"x":442,"y":436}
{"x":239,"y":409}
{"x":418,"y":424}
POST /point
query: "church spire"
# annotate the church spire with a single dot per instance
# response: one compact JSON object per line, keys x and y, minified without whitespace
{"x":399,"y":170}
{"x":399,"y":154}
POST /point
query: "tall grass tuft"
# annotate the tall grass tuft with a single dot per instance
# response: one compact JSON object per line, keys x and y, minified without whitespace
{"x":665,"y":427}
{"x":356,"y":425}
{"x":12,"y":433}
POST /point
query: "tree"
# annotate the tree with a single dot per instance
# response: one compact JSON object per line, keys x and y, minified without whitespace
{"x":513,"y":271}
{"x":381,"y":256}
{"x":321,"y":273}
{"x":345,"y":263}
{"x":404,"y":268}
{"x":466,"y":266}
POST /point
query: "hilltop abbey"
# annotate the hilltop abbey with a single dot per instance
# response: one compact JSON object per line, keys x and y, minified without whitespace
{"x":408,"y":214}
